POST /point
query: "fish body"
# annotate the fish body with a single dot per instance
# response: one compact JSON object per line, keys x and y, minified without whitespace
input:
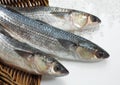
{"x":49,"y":39}
{"x":62,"y":18}
{"x":24,"y":57}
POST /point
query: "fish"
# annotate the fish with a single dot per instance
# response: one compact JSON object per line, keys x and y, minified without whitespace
{"x":49,"y":39}
{"x":66,"y":19}
{"x":24,"y":3}
{"x":25,"y":58}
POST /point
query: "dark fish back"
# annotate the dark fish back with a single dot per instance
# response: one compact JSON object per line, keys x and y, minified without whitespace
{"x":43,"y":28}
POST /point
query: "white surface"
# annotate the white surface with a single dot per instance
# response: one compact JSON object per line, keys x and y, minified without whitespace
{"x":106,"y":72}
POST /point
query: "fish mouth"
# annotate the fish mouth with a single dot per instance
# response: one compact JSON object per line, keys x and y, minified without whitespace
{"x":95,"y":19}
{"x":91,"y":54}
{"x":60,"y":70}
{"x":64,"y":72}
{"x":102,"y":54}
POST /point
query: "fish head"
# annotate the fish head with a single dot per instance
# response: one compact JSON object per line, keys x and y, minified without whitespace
{"x":101,"y":53}
{"x":50,"y":66}
{"x":55,"y":67}
{"x":90,"y":53}
{"x":82,"y":19}
{"x":92,"y":20}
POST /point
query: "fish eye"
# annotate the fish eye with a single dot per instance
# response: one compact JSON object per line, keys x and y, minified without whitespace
{"x":61,"y":69}
{"x":93,"y":18}
{"x":57,"y":68}
{"x":102,"y":54}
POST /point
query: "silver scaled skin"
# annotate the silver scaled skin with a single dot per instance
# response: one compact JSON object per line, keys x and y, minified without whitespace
{"x":22,"y":56}
{"x":66,"y":19}
{"x":49,"y":39}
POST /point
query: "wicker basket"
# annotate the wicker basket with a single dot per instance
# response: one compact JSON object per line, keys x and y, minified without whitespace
{"x":25,"y":3}
{"x":12,"y":76}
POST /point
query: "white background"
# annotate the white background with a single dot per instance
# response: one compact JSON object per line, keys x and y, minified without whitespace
{"x":106,"y":72}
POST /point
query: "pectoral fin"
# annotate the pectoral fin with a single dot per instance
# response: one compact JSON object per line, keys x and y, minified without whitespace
{"x":67,"y":43}
{"x":23,"y":53}
{"x":59,"y":14}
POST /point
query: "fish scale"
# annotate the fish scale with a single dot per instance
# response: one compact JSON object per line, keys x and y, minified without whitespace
{"x":27,"y":58}
{"x":29,"y":26}
{"x":66,"y":19}
{"x":68,"y":45}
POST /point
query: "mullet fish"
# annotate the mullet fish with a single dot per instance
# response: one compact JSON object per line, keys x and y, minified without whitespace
{"x":49,"y":39}
{"x":26,"y":58}
{"x":65,"y":19}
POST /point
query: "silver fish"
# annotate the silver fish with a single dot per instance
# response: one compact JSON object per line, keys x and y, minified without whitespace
{"x":26,"y":58}
{"x":48,"y":38}
{"x":65,"y":19}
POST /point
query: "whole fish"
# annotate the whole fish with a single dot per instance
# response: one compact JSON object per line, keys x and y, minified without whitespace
{"x":49,"y":39}
{"x":22,"y":56}
{"x":24,"y":3}
{"x":65,"y":19}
